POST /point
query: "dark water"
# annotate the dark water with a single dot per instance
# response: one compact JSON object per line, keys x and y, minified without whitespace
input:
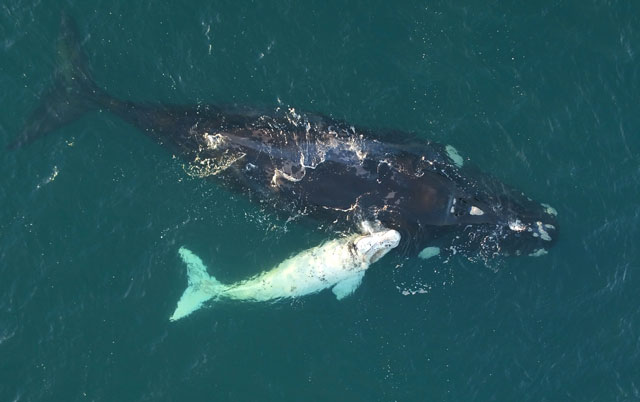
{"x":542,"y":94}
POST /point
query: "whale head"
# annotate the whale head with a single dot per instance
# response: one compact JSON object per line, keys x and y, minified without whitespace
{"x":506,"y":222}
{"x":373,"y":246}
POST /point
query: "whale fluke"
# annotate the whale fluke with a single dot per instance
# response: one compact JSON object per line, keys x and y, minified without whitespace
{"x":72,"y":94}
{"x":201,"y":288}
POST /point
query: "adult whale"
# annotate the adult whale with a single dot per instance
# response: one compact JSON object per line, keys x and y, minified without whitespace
{"x":317,"y":166}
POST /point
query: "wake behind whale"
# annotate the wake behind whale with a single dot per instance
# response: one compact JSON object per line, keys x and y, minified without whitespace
{"x":325,"y":169}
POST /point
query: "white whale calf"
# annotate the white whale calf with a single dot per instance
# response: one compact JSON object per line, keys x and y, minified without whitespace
{"x":339,"y":263}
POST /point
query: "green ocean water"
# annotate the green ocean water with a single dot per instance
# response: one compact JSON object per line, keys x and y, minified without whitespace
{"x":543,"y":95}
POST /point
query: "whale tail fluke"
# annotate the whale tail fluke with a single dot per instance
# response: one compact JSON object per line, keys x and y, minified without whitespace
{"x":202,"y":286}
{"x":72,"y":94}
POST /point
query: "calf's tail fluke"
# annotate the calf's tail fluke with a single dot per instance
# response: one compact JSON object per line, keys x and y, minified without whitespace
{"x":72,"y":94}
{"x":201,"y":287}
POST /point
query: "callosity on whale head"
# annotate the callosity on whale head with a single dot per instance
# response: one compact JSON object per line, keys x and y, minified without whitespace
{"x":528,"y":227}
{"x":504,"y":221}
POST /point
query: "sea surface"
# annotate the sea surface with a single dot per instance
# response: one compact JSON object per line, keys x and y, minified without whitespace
{"x":543,"y":95}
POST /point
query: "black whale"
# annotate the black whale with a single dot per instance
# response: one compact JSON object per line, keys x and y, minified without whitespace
{"x":317,"y":166}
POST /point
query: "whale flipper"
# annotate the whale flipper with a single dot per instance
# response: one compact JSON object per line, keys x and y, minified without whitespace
{"x":201,"y":288}
{"x":347,"y":286}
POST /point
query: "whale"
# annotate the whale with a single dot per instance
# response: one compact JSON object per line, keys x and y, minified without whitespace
{"x":301,"y":164}
{"x":339,"y":264}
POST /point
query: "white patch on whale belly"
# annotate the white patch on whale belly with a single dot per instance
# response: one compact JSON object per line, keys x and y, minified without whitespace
{"x":549,"y":209}
{"x":281,"y":174}
{"x":454,"y":155}
{"x":539,"y":252}
{"x":429,"y":252}
{"x":291,"y":177}
{"x":476,"y":211}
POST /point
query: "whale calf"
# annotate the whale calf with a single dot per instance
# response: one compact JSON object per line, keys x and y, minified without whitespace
{"x":334,"y":173}
{"x":339,"y":264}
